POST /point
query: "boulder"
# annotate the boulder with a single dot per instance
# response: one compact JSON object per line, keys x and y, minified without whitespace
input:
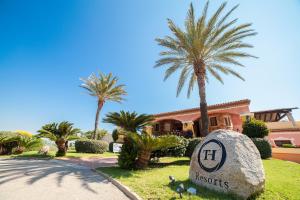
{"x":228,"y":161}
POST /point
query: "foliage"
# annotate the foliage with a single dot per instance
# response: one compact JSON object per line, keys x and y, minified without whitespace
{"x":131,"y":122}
{"x":263,"y":146}
{"x":178,"y":151}
{"x":27,"y":143}
{"x":192,"y":143}
{"x":115,"y":135}
{"x":7,"y":142}
{"x":128,"y":154}
{"x":59,"y":133}
{"x":91,"y":146}
{"x":104,"y":88}
{"x":99,"y":134}
{"x":255,"y":129}
{"x":288,"y":146}
{"x":206,"y":46}
{"x":24,"y":133}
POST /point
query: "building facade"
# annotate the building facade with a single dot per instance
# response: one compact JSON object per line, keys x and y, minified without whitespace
{"x":230,"y":115}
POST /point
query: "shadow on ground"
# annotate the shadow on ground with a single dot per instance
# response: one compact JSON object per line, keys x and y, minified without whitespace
{"x":37,"y":170}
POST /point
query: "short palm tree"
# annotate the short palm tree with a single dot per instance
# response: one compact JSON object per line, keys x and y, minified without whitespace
{"x":128,"y":121}
{"x":60,"y":134}
{"x":147,"y":143}
{"x":104,"y":88}
{"x":207,"y":45}
{"x":27,"y":143}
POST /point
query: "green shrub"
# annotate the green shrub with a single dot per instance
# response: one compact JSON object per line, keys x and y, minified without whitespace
{"x":91,"y":146}
{"x":255,"y":129}
{"x":263,"y":146}
{"x":288,"y":146}
{"x":177,"y":151}
{"x":115,"y":135}
{"x":192,"y":143}
{"x":128,"y":154}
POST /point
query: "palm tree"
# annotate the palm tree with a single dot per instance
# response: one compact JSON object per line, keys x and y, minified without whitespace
{"x":131,"y":122}
{"x":27,"y":143}
{"x":207,"y":45}
{"x":60,"y":134}
{"x":104,"y":88}
{"x":147,"y":143}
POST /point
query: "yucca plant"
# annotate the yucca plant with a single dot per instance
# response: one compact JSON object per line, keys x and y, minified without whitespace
{"x":147,"y":143}
{"x":129,"y":121}
{"x":205,"y":46}
{"x":60,"y":133}
{"x":104,"y":88}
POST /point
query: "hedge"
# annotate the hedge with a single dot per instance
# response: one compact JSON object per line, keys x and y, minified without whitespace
{"x":255,"y":129}
{"x":91,"y":146}
{"x":192,"y":145}
{"x":263,"y":146}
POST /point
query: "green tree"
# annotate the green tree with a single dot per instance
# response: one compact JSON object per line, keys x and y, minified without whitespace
{"x":60,"y":134}
{"x":99,"y":134}
{"x":26,"y":143}
{"x":147,"y":143}
{"x":128,"y":121}
{"x":104,"y":88}
{"x":207,"y":45}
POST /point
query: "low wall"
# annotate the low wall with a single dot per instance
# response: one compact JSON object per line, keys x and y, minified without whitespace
{"x":289,"y":154}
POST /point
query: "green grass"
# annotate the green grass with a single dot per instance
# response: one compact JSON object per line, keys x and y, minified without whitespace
{"x":70,"y":154}
{"x":282,"y":180}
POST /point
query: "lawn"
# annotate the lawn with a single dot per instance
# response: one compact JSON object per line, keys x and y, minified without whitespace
{"x":282,"y":180}
{"x":70,"y":154}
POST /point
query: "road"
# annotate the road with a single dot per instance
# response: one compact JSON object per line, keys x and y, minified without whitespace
{"x":53,"y":180}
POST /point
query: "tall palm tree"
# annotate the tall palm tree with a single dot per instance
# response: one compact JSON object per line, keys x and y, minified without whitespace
{"x":104,"y":88}
{"x":60,"y":134}
{"x":206,"y":45}
{"x":131,"y":122}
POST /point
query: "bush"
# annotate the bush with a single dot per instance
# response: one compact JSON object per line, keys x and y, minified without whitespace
{"x":115,"y":135}
{"x":288,"y":146}
{"x":192,"y":143}
{"x":255,"y":129}
{"x":128,"y":154}
{"x":177,"y":151}
{"x":91,"y":146}
{"x":263,"y":146}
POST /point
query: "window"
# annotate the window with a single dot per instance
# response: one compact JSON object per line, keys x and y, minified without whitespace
{"x":227,"y":121}
{"x":156,"y":127}
{"x":213,"y":121}
{"x":167,"y":127}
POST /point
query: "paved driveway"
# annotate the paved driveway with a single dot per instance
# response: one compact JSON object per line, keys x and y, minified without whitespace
{"x":53,"y":179}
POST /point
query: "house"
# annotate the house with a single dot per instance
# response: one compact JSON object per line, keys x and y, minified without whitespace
{"x":228,"y":115}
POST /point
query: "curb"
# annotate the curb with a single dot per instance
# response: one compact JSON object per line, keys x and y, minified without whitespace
{"x":129,"y":193}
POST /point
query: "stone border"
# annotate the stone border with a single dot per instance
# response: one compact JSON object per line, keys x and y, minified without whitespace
{"x":128,"y":192}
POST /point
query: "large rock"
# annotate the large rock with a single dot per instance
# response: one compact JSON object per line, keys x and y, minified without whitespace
{"x":228,"y":161}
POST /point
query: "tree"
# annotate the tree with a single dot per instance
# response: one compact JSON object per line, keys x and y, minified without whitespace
{"x":147,"y":143}
{"x":104,"y":88}
{"x":99,"y":134}
{"x":26,"y":143}
{"x":128,"y":121}
{"x":60,"y":134}
{"x":207,"y":45}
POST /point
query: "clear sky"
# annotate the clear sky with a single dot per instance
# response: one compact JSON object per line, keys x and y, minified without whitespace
{"x":46,"y":46}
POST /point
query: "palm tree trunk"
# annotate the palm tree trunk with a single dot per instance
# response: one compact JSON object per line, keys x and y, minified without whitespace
{"x":143,"y":159}
{"x":99,"y":107}
{"x":201,"y":75}
{"x":61,"y":146}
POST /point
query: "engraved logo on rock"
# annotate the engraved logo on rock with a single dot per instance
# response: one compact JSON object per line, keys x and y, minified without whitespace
{"x":212,"y":155}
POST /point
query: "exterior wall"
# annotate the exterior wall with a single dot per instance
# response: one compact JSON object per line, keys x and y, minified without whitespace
{"x":293,"y":136}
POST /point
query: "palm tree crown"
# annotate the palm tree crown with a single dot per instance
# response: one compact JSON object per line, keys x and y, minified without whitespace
{"x":128,"y":121}
{"x":105,"y":88}
{"x":206,"y":46}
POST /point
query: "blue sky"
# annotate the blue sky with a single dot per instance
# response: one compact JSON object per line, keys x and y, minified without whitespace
{"x":46,"y":46}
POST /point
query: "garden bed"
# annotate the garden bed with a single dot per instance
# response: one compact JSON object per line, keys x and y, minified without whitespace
{"x":282,"y":180}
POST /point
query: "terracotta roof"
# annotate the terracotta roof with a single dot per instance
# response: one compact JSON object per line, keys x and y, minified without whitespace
{"x":210,"y":107}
